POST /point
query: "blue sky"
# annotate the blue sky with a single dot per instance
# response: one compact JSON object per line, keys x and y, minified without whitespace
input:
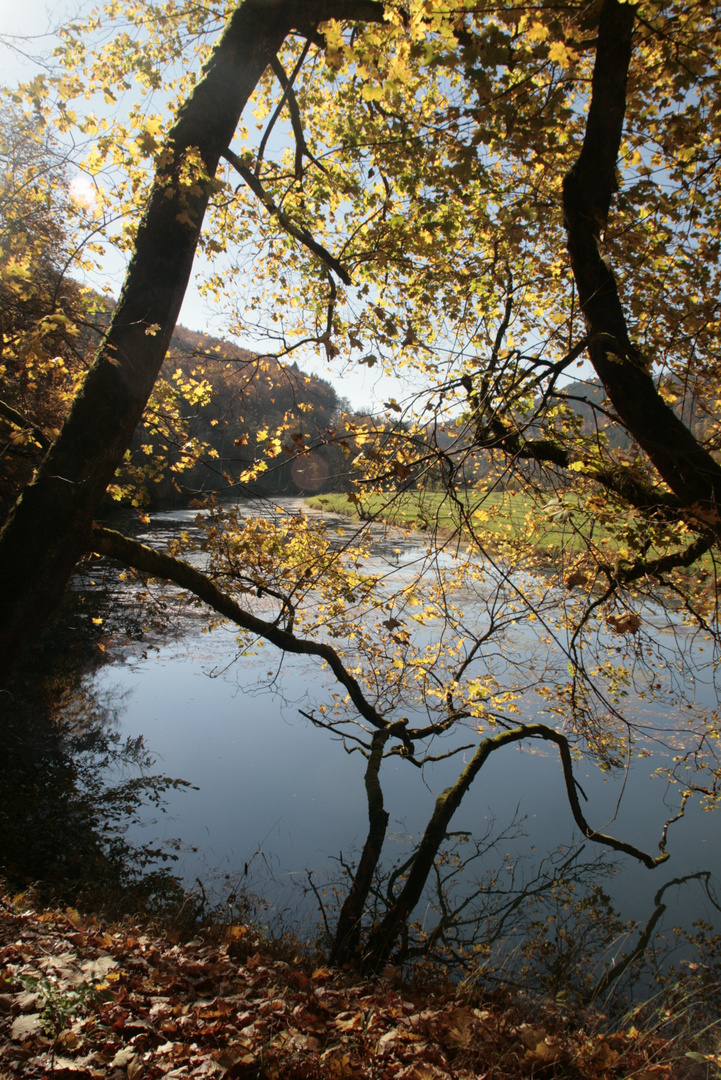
{"x":26,"y":36}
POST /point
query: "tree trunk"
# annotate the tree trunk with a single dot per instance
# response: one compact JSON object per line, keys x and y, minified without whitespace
{"x":348,"y":930}
{"x":49,"y":527}
{"x":689,"y":470}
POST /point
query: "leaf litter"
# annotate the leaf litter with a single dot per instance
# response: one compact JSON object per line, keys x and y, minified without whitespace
{"x":81,"y":999}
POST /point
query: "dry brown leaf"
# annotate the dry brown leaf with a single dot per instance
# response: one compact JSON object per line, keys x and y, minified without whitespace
{"x":461,"y":1028}
{"x":544,"y":1053}
{"x":99,"y":969}
{"x":421,"y":1071}
{"x":296,"y":1042}
{"x":123,"y":1058}
{"x":352,"y":1023}
{"x":135,"y":1070}
{"x":531,"y":1036}
{"x":337,"y":1064}
{"x":627,"y":623}
{"x":73,"y":917}
{"x":24,"y":1027}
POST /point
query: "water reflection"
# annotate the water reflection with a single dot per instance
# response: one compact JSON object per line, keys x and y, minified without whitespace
{"x":74,"y":785}
{"x":278,"y":800}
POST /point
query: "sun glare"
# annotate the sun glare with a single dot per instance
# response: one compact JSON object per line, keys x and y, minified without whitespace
{"x":83,"y":191}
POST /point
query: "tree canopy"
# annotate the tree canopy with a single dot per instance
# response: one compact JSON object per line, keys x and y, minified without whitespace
{"x":513,"y":209}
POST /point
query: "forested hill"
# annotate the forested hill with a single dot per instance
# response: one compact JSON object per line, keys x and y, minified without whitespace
{"x":212,"y":420}
{"x":240,"y":418}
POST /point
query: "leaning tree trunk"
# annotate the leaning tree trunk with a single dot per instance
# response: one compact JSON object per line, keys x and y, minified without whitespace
{"x":689,"y":470}
{"x":49,"y":527}
{"x":346,"y":944}
{"x":380,"y":944}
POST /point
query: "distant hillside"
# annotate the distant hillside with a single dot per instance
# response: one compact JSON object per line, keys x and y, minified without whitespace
{"x":588,"y":399}
{"x":252,"y":397}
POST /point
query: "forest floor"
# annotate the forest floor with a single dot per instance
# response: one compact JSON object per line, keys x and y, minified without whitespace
{"x":82,"y":999}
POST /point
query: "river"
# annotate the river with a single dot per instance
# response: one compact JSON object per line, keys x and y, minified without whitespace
{"x":276,"y":801}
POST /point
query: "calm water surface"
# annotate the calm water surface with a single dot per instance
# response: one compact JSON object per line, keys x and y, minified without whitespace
{"x":277,"y":798}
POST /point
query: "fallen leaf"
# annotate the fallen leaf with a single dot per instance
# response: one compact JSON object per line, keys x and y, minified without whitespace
{"x":544,"y":1053}
{"x":336,"y":1064}
{"x":123,"y":1058}
{"x":461,"y":1029}
{"x":531,"y":1036}
{"x":97,"y":970}
{"x":23,"y":1027}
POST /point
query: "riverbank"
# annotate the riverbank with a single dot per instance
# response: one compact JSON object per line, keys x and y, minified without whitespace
{"x":512,"y":526}
{"x":501,"y":518}
{"x":84,"y":999}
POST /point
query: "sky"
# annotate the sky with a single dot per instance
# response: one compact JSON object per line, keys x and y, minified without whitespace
{"x":26,"y":35}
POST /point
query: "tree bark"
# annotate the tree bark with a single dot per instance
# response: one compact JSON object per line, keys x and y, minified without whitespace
{"x":689,"y":470}
{"x":383,"y":937}
{"x":348,"y":931}
{"x":49,"y":527}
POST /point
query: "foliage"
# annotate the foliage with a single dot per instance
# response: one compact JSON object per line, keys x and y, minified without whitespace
{"x":60,"y":1007}
{"x":43,"y":350}
{"x":484,"y":201}
{"x":265,"y":422}
{"x":226,"y":1001}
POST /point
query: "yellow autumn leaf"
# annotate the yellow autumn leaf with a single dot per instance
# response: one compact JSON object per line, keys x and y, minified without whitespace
{"x":537,"y":32}
{"x":559,"y":54}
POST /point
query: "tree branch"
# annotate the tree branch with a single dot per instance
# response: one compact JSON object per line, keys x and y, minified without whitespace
{"x":158,"y":564}
{"x":638,"y":493}
{"x":297,"y":231}
{"x":301,"y":146}
{"x":274,"y":64}
{"x":18,"y":420}
{"x":382,"y":939}
{"x":658,"y":567}
{"x":609,"y":977}
{"x":690,"y":471}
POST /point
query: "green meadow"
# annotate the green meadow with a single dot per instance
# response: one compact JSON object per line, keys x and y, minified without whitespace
{"x":501,"y":516}
{"x":515,"y":523}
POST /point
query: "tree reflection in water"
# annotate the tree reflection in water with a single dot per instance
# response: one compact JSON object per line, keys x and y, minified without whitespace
{"x":548,"y":927}
{"x":72,"y":785}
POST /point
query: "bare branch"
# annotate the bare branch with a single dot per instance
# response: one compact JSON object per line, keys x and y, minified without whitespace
{"x":285,"y":84}
{"x":614,"y":973}
{"x":301,"y":146}
{"x":300,"y":234}
{"x":158,"y":564}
